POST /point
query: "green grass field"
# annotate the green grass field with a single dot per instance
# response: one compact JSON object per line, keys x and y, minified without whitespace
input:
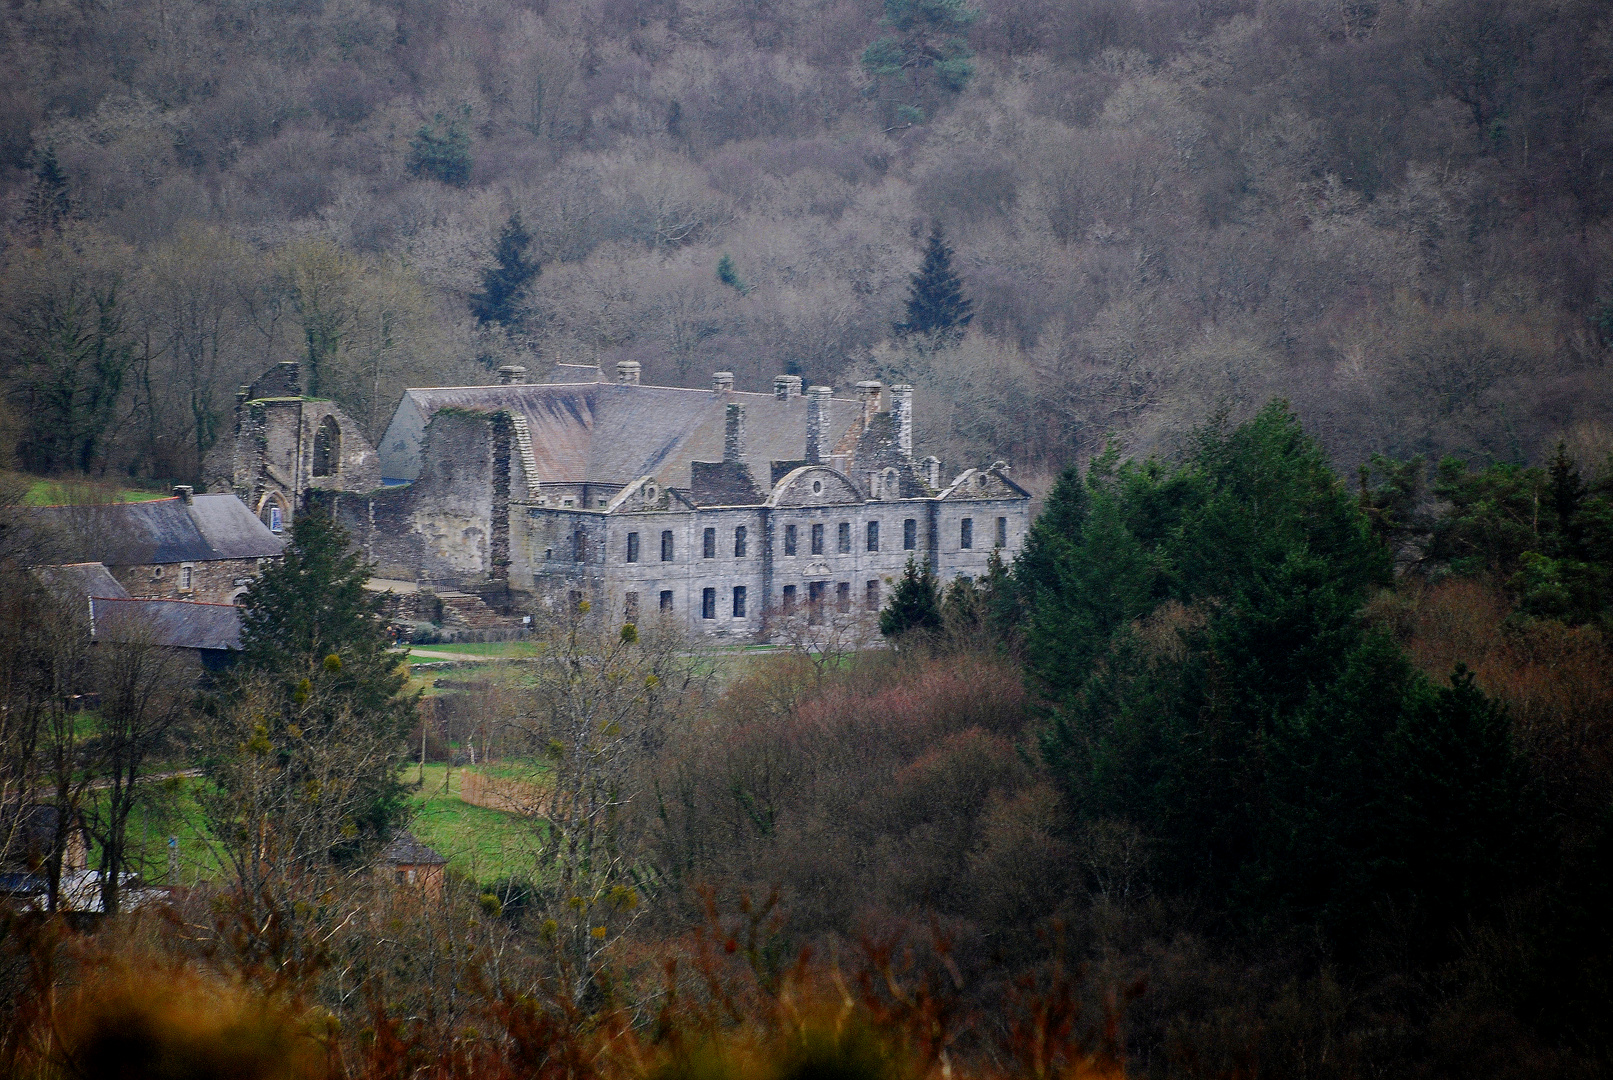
{"x":480,"y":843}
{"x":58,"y":493}
{"x":482,"y":648}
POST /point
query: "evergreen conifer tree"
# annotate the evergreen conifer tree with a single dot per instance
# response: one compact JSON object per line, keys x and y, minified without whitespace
{"x":313,"y":633}
{"x":936,"y":307}
{"x":915,"y":603}
{"x":504,"y":284}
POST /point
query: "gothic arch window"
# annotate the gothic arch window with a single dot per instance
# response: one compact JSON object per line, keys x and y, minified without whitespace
{"x":273,"y":513}
{"x":327,"y":448}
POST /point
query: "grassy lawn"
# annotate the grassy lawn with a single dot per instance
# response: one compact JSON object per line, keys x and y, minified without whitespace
{"x":59,"y":493}
{"x":172,"y":810}
{"x":481,"y":648}
{"x":481,"y":843}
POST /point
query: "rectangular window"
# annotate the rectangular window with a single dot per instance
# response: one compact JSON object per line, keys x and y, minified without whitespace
{"x":817,"y":539}
{"x":666,"y":545}
{"x":708,"y":544}
{"x":966,"y":533}
{"x":276,"y":522}
{"x":187,"y":575}
{"x":789,"y":599}
{"x":708,"y":603}
{"x":666,"y":599}
{"x":630,"y":611}
{"x":873,"y":595}
{"x":815,"y":591}
{"x":632,"y":547}
{"x":910,"y":534}
{"x":843,"y":597}
{"x":579,"y":546}
{"x":873,"y":536}
{"x":740,"y":536}
{"x":739,"y":601}
{"x":845,"y":538}
{"x":1002,"y":532}
{"x":789,"y":539}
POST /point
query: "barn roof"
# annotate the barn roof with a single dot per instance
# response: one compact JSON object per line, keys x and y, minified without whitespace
{"x":201,"y":529}
{"x":181,"y":624}
{"x":406,"y":850}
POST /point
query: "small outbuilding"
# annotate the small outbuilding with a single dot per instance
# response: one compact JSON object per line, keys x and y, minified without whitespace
{"x":409,"y":862}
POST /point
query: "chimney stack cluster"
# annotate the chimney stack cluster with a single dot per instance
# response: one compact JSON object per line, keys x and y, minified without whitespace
{"x":786,"y":387}
{"x":722,"y":381}
{"x":627,"y":372}
{"x":870,"y":391}
{"x":511,"y":374}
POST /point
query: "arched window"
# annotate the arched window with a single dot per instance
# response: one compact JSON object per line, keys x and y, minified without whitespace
{"x":327,"y":448}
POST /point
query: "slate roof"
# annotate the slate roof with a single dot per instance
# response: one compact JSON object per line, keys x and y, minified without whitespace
{"x":182,"y":624}
{"x":616,"y":432}
{"x":405,"y":850}
{"x":78,"y":580}
{"x":207,"y":528}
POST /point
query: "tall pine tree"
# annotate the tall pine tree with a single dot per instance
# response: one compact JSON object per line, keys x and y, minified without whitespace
{"x":504,"y":284}
{"x":937,"y":310}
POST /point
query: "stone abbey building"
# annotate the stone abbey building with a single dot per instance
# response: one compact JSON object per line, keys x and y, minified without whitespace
{"x":716,"y":508}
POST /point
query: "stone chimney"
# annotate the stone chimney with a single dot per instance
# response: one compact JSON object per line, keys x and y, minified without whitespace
{"x":627,"y":372}
{"x":510,"y":374}
{"x":870,"y":395}
{"x":183,"y":492}
{"x":722,"y":381}
{"x":932,"y":471}
{"x":902,"y":417}
{"x":733,"y":439}
{"x":786,"y":387}
{"x":817,"y":423}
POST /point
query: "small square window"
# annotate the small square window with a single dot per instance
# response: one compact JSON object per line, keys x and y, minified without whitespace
{"x":789,"y":539}
{"x":910,"y":534}
{"x":739,"y":601}
{"x":966,"y":533}
{"x":708,"y":603}
{"x":873,"y":536}
{"x":817,"y":539}
{"x":632,"y":547}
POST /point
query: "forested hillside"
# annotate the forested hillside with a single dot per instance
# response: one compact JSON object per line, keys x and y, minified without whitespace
{"x":1392,"y":212}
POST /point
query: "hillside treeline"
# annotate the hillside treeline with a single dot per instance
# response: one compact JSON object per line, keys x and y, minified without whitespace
{"x":1392,"y":212}
{"x":1198,"y":786}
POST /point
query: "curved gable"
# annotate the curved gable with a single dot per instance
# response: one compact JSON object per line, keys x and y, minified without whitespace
{"x":814,"y":485}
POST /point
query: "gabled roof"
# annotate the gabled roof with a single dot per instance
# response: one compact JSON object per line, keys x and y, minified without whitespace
{"x":615,"y":432}
{"x":206,"y":528}
{"x":75,"y":581}
{"x":180,"y":624}
{"x":405,"y":850}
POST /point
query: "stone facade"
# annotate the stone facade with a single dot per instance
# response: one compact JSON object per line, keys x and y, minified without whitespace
{"x":219,"y":581}
{"x":717,"y":508}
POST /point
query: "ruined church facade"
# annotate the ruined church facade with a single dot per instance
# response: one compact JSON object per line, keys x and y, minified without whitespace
{"x":718,"y":509}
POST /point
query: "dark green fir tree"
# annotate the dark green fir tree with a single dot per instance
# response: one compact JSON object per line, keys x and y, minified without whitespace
{"x":915,"y":604}
{"x":937,"y":310}
{"x":505,"y":283}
